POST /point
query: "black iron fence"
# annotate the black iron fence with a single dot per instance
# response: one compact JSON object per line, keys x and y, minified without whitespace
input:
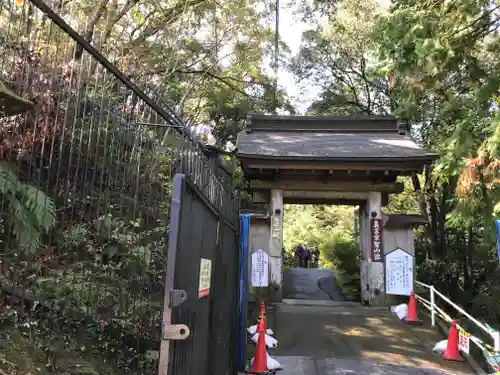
{"x":87,"y":161}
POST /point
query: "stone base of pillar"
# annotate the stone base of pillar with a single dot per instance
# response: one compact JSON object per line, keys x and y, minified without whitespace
{"x":276,"y":278}
{"x":275,"y":293}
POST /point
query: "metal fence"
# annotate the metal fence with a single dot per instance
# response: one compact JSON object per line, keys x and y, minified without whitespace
{"x":486,"y":340}
{"x":87,"y":161}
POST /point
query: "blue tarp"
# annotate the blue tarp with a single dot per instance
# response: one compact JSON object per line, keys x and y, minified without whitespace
{"x":242,"y":313}
{"x":497,"y":226}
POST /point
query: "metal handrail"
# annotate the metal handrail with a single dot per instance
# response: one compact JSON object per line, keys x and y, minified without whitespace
{"x":434,"y":309}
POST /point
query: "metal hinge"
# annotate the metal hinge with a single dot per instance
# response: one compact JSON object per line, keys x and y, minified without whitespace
{"x":176,"y":331}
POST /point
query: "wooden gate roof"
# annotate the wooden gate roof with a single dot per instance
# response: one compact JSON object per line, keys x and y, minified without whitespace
{"x":339,"y":139}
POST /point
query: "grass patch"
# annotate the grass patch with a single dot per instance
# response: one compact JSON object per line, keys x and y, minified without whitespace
{"x":21,"y":354}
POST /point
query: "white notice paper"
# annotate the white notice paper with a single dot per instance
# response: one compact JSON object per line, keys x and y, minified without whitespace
{"x":398,"y":273}
{"x":205,"y":277}
{"x":260,"y":269}
{"x":463,"y":342}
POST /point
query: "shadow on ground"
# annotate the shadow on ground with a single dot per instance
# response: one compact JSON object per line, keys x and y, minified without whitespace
{"x":346,"y":339}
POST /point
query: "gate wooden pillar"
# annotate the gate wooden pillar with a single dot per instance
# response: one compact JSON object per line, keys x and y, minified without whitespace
{"x":364,"y":245}
{"x":276,"y":246}
{"x":376,"y":265}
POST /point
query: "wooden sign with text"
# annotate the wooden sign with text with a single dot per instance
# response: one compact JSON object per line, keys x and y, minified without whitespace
{"x":376,"y":229}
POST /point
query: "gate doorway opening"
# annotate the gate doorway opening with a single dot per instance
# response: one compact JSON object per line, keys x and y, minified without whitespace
{"x":321,"y":253}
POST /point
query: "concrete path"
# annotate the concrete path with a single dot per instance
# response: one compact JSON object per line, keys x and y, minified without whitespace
{"x":330,"y":338}
{"x":311,"y":284}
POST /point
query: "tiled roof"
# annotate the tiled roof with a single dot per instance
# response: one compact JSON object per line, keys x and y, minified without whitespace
{"x":327,"y":138}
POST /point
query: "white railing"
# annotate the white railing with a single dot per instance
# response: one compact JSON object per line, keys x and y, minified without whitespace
{"x":435,"y":310}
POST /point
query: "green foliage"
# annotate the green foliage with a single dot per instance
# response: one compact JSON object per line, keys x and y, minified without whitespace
{"x":28,"y":214}
{"x":330,"y":229}
{"x":342,"y":252}
{"x":313,"y":224}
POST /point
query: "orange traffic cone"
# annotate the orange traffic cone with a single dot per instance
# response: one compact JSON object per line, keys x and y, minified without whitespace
{"x":412,"y":318}
{"x":262,"y":309}
{"x":260,"y":361}
{"x":262,"y":323}
{"x":452,"y":352}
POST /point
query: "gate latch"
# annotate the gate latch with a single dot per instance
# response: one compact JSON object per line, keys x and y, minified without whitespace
{"x":177,"y":297}
{"x":175,"y":332}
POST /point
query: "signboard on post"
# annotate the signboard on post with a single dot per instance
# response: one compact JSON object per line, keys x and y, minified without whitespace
{"x":260,"y":269}
{"x":398,"y":273}
{"x":205,"y":277}
{"x":376,"y":229}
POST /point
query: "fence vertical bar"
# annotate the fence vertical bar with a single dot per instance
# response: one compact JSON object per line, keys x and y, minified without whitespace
{"x":433,"y":307}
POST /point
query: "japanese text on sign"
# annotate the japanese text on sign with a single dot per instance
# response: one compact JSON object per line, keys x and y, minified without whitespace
{"x":463,"y":342}
{"x":260,"y":269}
{"x":276,"y":227}
{"x":376,"y":239}
{"x":205,"y":277}
{"x":398,"y":272}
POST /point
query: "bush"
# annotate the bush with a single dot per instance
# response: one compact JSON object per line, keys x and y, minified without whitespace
{"x":342,"y":253}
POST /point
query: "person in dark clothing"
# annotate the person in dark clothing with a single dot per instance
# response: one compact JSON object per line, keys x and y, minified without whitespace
{"x":306,"y":256}
{"x":315,"y":257}
{"x":299,"y":250}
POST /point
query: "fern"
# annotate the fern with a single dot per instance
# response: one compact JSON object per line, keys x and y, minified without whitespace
{"x":27,"y":234}
{"x":8,"y":181}
{"x":29,"y":211}
{"x":41,"y":207}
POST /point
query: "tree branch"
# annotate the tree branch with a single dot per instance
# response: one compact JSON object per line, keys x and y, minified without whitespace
{"x":174,"y":11}
{"x":217,"y":78}
{"x":89,"y":29}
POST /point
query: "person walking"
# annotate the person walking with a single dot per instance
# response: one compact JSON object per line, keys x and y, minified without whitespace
{"x":306,"y":255}
{"x":299,"y":253}
{"x":315,"y":255}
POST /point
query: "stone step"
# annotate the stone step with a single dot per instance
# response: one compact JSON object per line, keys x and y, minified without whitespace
{"x":329,"y":307}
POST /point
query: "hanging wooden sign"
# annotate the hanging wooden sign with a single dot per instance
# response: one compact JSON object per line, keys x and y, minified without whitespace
{"x":376,"y":229}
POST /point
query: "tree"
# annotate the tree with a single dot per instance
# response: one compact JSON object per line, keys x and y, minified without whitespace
{"x":443,"y":55}
{"x":339,"y":57}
